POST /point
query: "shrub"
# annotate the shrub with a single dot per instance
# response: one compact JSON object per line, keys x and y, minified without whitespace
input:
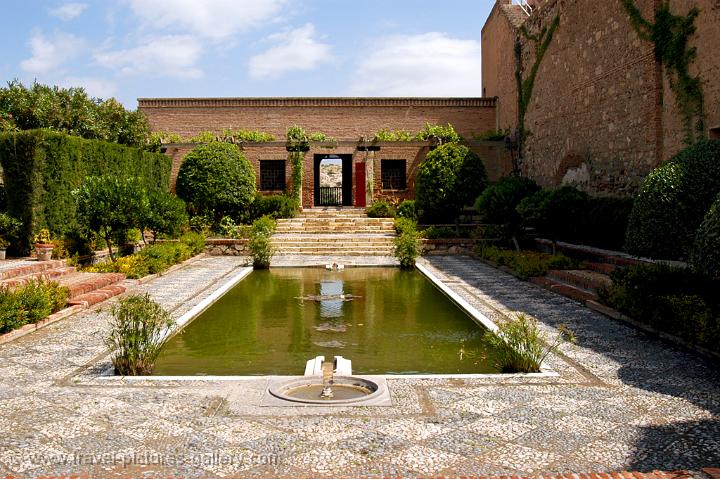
{"x":441,"y":133}
{"x":201,"y":224}
{"x":498,"y":203}
{"x":407,"y":209}
{"x":245,"y":136}
{"x":519,"y":346}
{"x":194,"y":241}
{"x":706,"y":248}
{"x":402,"y":224}
{"x":673,"y":201}
{"x":555,"y":213}
{"x":451,"y":177}
{"x":30,"y":303}
{"x":381,"y":209}
{"x":274,"y":206}
{"x":437,"y":232}
{"x":108,"y":206}
{"x":675,"y":300}
{"x":165,"y":214}
{"x":407,"y":243}
{"x":604,"y":222}
{"x":139,"y":327}
{"x":217,"y":180}
{"x":260,"y":245}
{"x":41,"y":169}
{"x":396,"y":135}
{"x":525,"y":264}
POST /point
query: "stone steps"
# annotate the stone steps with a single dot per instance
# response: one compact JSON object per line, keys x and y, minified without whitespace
{"x":84,"y":288}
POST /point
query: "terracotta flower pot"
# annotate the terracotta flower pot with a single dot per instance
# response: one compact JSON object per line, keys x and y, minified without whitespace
{"x":43,"y":251}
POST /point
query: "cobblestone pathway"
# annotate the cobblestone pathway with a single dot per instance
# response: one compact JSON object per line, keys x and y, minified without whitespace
{"x":621,"y":400}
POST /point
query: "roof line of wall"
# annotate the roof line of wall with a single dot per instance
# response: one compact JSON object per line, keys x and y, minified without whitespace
{"x":312,"y":101}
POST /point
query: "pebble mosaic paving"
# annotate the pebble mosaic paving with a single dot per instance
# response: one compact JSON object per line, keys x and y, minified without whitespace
{"x":621,"y":400}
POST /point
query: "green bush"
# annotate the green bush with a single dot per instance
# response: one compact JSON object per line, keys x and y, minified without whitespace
{"x":498,"y":203}
{"x":675,"y":300}
{"x":380,"y":209}
{"x":274,"y":206}
{"x":194,"y":241}
{"x":407,"y":243}
{"x":556,"y":213}
{"x":438,"y":232}
{"x":604,"y":222}
{"x":165,"y":214}
{"x":216,"y":180}
{"x":673,"y":201}
{"x":706,"y":248}
{"x":30,"y":303}
{"x":525,"y":264}
{"x":451,"y":177}
{"x":403,"y":224}
{"x":72,"y":111}
{"x":110,"y":206}
{"x":441,"y":133}
{"x":260,"y":245}
{"x":41,"y":169}
{"x":407,"y":209}
{"x":519,"y":347}
{"x":139,"y":327}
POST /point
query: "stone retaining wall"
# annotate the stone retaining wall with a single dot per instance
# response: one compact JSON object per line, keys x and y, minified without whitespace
{"x":227,"y":247}
{"x":443,"y":246}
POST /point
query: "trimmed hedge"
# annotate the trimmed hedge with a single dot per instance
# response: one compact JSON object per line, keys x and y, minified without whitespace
{"x":705,"y":257}
{"x":673,"y":202}
{"x":41,"y":168}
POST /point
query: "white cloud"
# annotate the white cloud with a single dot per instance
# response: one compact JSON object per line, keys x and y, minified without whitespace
{"x":94,"y":86}
{"x":296,"y":50}
{"x":49,"y":53}
{"x":171,"y":55}
{"x":213,"y":19}
{"x":429,"y":64}
{"x":68,"y":11}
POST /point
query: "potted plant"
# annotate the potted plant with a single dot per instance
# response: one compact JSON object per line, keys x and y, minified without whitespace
{"x":9,"y":228}
{"x":43,"y":245}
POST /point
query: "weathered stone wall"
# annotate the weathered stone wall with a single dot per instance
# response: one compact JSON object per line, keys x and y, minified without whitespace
{"x":602,"y":114}
{"x":226,"y":247}
{"x":498,"y":64}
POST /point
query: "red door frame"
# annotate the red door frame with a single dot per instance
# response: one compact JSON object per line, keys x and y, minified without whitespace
{"x":360,"y":185}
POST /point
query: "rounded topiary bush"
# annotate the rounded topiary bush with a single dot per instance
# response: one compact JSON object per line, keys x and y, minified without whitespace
{"x":451,"y":177}
{"x":216,"y":179}
{"x":498,"y":202}
{"x":673,"y":201}
{"x":706,"y":249}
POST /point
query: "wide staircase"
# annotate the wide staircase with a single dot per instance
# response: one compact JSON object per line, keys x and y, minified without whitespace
{"x":85,"y":289}
{"x":334,"y":232}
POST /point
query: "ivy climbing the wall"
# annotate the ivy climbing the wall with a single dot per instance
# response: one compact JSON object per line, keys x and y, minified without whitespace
{"x":525,"y":85}
{"x":670,"y":35}
{"x":297,"y":144}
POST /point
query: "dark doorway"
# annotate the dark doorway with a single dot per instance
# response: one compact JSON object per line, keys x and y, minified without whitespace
{"x":333,"y":180}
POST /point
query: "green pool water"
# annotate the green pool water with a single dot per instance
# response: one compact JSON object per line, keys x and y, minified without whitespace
{"x":273,"y":321}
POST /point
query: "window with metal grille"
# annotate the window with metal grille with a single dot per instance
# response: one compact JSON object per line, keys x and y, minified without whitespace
{"x":272,"y":175}
{"x":393,"y":174}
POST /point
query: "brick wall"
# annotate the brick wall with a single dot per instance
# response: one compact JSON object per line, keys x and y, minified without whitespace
{"x":342,"y":118}
{"x":601,"y":114}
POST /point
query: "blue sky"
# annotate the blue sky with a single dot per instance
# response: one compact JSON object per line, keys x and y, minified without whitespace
{"x":199,"y":48}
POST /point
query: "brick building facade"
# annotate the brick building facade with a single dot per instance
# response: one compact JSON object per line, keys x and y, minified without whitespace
{"x":602,"y":113}
{"x":370,"y":170}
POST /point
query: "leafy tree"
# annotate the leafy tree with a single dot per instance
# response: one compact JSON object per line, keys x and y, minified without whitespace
{"x":72,"y":111}
{"x":164,"y":214}
{"x":451,"y":177}
{"x":110,"y":206}
{"x":706,"y":250}
{"x":216,"y":179}
{"x":498,"y":203}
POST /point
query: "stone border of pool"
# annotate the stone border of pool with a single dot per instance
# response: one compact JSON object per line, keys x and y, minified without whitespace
{"x":102,"y":374}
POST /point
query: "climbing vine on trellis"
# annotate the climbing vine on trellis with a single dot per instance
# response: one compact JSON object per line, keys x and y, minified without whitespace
{"x":525,"y":85}
{"x":670,"y":35}
{"x":297,"y":144}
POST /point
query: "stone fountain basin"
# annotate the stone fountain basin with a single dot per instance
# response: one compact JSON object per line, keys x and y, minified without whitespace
{"x":304,"y":391}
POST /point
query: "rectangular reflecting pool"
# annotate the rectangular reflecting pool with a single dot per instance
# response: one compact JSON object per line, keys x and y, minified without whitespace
{"x":386,"y":321}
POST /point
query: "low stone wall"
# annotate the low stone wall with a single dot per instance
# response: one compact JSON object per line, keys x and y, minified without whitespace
{"x":227,"y":247}
{"x":447,"y":246}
